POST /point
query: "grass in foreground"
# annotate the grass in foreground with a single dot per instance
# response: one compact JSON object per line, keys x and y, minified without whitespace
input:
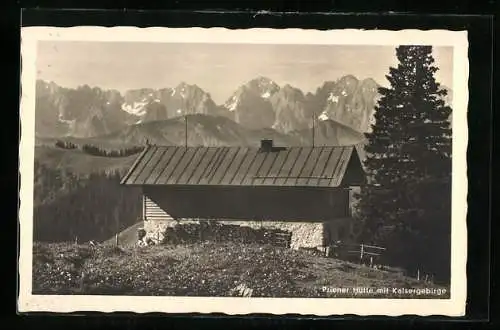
{"x":210,"y":269}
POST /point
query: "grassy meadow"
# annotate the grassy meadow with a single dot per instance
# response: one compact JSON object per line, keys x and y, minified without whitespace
{"x":208,"y":269}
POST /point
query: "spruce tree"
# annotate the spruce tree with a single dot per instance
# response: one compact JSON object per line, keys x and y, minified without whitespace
{"x":407,"y":203}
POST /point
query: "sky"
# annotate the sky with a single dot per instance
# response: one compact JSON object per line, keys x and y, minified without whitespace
{"x":219,"y":69}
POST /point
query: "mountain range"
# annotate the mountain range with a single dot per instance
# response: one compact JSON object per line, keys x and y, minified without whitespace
{"x":259,"y":108}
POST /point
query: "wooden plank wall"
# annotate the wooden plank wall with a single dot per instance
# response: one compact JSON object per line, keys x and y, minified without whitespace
{"x":153,"y":212}
{"x":246,"y":203}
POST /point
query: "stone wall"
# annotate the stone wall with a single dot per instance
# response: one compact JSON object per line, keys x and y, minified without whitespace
{"x":156,"y":229}
{"x":303,"y":234}
{"x":189,"y":231}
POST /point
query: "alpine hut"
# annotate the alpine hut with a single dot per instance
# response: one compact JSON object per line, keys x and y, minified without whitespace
{"x":306,"y":191}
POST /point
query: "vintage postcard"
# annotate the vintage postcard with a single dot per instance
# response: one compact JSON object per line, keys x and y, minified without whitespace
{"x":243,"y":171}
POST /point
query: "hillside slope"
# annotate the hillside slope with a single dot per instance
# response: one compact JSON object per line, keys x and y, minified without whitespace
{"x":88,"y":206}
{"x":210,"y":269}
{"x":207,"y":130}
{"x":127,"y":236}
{"x":80,"y":163}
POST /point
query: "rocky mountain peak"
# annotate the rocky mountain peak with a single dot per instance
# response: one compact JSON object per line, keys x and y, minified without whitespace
{"x":290,"y":90}
{"x":263,"y":86}
{"x":183,"y":88}
{"x":348,"y":101}
{"x":291,"y":110}
{"x":250,"y":104}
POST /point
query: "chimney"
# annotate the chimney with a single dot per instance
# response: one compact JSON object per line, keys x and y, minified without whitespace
{"x":266,"y":145}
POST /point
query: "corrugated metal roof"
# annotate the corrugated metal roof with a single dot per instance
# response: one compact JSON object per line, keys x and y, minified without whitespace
{"x":322,"y":166}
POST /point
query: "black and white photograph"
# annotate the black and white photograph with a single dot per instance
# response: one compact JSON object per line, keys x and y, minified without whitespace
{"x":242,"y":171}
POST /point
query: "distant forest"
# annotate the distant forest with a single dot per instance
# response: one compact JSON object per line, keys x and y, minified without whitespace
{"x":97,"y":151}
{"x":90,"y":207}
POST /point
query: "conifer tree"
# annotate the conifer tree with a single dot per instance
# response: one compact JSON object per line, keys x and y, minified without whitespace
{"x":407,"y":203}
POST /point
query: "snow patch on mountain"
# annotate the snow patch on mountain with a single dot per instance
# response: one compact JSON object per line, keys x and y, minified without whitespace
{"x":266,"y":95}
{"x":323,"y":116}
{"x":333,"y":98}
{"x":136,"y":108}
{"x":232,"y":104}
{"x":182,"y":91}
{"x":65,"y":121}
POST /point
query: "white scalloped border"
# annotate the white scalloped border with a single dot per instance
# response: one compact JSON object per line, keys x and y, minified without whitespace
{"x":455,"y":306}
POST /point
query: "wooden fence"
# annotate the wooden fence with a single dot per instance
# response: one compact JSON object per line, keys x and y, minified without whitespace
{"x":362,"y":252}
{"x":368,"y":252}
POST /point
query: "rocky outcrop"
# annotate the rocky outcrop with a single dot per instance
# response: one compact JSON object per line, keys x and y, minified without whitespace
{"x":90,"y":111}
{"x":262,"y":103}
{"x":80,"y":112}
{"x":349,"y":101}
{"x":250,"y":104}
{"x":291,"y":111}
